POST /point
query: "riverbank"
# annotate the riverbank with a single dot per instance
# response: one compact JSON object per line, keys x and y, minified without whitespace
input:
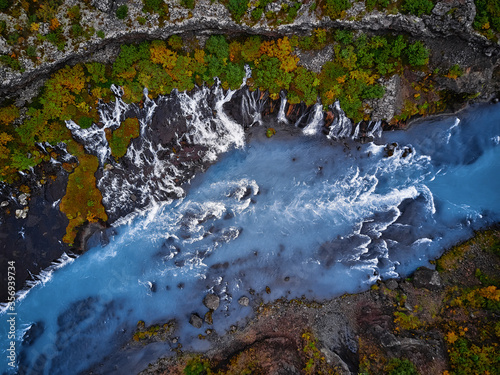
{"x":436,"y":321}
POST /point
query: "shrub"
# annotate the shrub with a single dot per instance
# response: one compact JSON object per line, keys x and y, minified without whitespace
{"x":417,"y":54}
{"x":73,"y":12}
{"x":454,"y":72}
{"x":31,"y":51}
{"x":398,"y":366}
{"x":237,"y":8}
{"x":10,"y":62}
{"x":153,"y":6}
{"x":417,"y":7}
{"x":76,"y":30}
{"x":217,"y":45}
{"x":257,"y":14}
{"x":100,"y":34}
{"x":4,"y":4}
{"x":343,"y":36}
{"x":188,"y":4}
{"x":175,"y":42}
{"x":85,"y":122}
{"x":336,"y":8}
{"x":122,"y":12}
{"x":487,"y":15}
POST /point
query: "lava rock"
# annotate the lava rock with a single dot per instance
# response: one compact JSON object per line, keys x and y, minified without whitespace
{"x":211,"y":301}
{"x":427,"y":278}
{"x":195,"y":321}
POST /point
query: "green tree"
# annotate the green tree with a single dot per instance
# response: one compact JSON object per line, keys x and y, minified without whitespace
{"x":335,"y":8}
{"x":122,"y":12}
{"x":417,"y":7}
{"x":217,"y":45}
{"x":417,"y":54}
{"x":237,"y":8}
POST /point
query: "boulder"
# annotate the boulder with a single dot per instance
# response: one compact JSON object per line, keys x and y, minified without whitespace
{"x":195,"y":320}
{"x":244,"y":301}
{"x":391,"y":284}
{"x":427,"y":278}
{"x":211,"y":301}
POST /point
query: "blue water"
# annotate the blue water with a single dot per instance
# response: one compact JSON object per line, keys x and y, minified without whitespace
{"x":300,"y":214}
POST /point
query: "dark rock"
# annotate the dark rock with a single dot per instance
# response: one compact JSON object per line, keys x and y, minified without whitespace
{"x":391,"y":284}
{"x":211,"y":301}
{"x":427,"y":278}
{"x":195,"y":320}
{"x":104,"y":5}
{"x":385,"y":337}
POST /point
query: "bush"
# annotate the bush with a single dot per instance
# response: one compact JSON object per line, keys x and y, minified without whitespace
{"x":417,"y":7}
{"x":100,"y":34}
{"x":188,"y":4}
{"x":175,"y":42}
{"x":257,"y":14}
{"x":85,"y":122}
{"x":237,"y":8}
{"x":31,"y":51}
{"x":122,"y":12}
{"x":76,"y":30}
{"x":335,"y":8}
{"x":153,"y":6}
{"x":4,"y":4}
{"x":10,"y":62}
{"x":343,"y":36}
{"x":487,"y":15}
{"x":417,"y":54}
{"x":398,"y":366}
{"x":218,"y":46}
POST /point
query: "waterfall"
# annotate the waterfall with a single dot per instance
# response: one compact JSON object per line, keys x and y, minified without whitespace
{"x":281,"y":113}
{"x":341,"y":126}
{"x":316,"y":122}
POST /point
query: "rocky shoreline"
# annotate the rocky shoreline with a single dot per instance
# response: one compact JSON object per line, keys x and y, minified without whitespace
{"x":416,"y":324}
